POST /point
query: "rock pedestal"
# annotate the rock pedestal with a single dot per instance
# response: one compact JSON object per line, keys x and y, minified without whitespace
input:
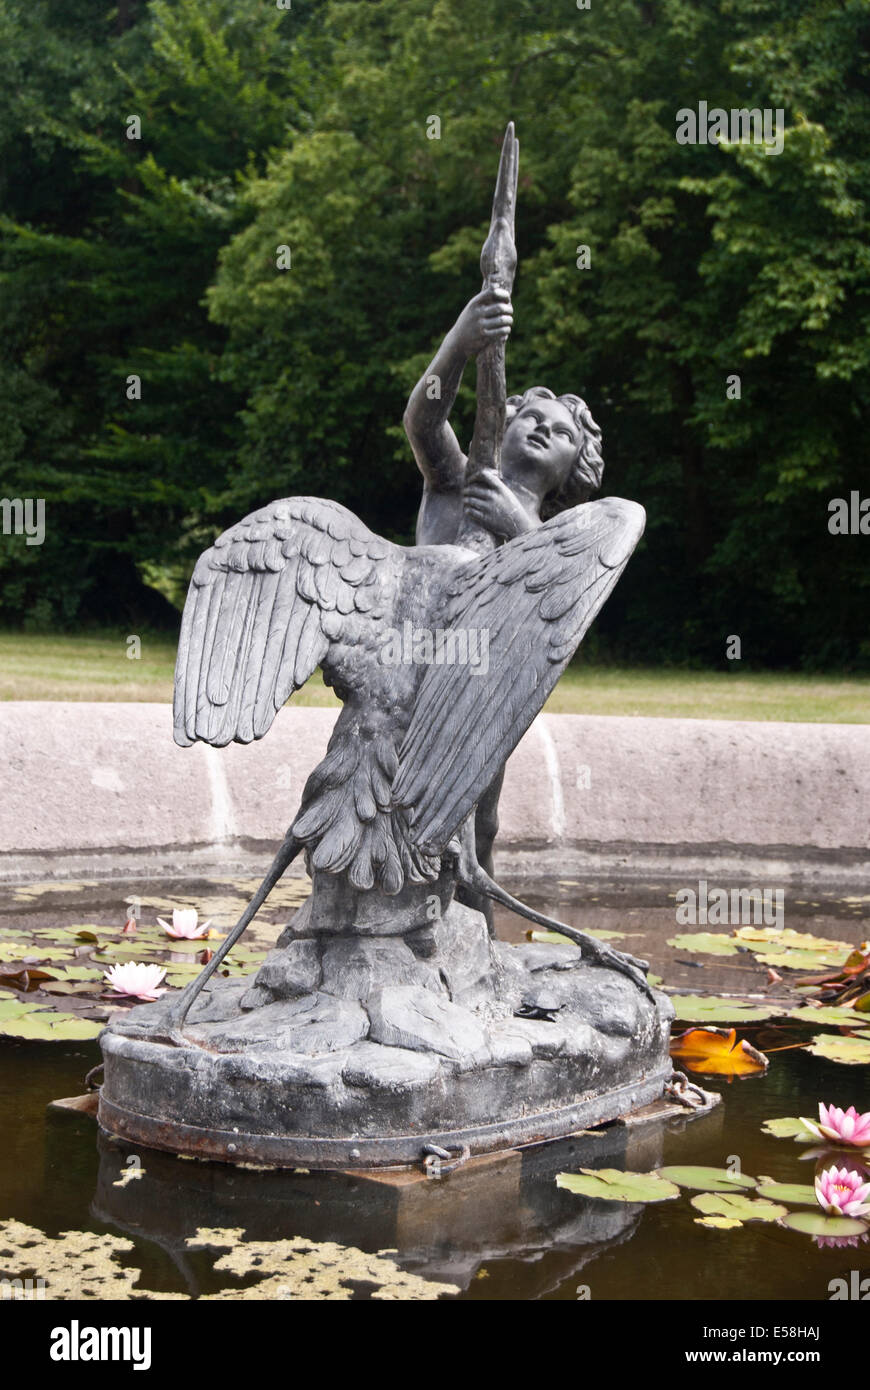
{"x":371,"y":1032}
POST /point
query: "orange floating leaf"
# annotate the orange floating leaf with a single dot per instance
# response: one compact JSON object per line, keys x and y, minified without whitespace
{"x":858,"y":960}
{"x":718,"y":1052}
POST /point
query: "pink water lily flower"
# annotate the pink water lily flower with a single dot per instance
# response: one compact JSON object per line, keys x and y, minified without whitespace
{"x":841,"y":1126}
{"x":842,"y":1192}
{"x":136,"y":981}
{"x":184,"y":926}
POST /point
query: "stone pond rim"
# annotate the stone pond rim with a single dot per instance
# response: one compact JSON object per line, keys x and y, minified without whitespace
{"x":682,"y":798}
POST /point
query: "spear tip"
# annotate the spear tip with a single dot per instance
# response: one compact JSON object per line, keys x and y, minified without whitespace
{"x":504,"y":200}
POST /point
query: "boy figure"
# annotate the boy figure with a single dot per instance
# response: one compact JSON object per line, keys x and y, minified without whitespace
{"x":550,"y":460}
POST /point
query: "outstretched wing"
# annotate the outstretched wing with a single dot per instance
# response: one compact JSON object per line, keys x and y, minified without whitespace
{"x":278,"y":594}
{"x":531,"y":601}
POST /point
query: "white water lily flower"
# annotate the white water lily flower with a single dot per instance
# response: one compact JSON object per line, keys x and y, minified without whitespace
{"x":136,"y":981}
{"x":184,"y":926}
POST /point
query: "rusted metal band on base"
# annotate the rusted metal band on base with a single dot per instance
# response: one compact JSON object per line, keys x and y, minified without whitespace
{"x":393,"y":1151}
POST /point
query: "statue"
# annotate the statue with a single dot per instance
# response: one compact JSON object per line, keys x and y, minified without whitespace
{"x":387,"y":1018}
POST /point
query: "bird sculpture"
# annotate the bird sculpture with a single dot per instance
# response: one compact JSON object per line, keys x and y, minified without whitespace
{"x":302,"y":583}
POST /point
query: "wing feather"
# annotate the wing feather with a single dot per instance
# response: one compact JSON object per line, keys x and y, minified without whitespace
{"x":534,"y":598}
{"x":262,"y":621}
{"x":205,"y":652}
{"x":267,"y":701}
{"x":273,"y":598}
{"x":228,"y":633}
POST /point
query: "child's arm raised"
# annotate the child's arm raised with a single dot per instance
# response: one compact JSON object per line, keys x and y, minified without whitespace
{"x":486,"y":318}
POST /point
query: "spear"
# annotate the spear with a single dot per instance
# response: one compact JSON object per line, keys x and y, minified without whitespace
{"x":498,"y":263}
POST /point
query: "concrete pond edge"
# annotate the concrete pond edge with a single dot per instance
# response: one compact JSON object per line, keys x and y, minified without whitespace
{"x":100,"y":790}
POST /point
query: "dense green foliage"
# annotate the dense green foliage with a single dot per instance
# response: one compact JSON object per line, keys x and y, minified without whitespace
{"x":308,"y":128}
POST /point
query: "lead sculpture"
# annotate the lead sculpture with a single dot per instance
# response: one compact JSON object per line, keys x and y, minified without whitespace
{"x":388,"y":1023}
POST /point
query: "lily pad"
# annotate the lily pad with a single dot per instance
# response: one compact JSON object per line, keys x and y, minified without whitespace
{"x":708,"y":942}
{"x":25,"y":950}
{"x":14,"y":1008}
{"x":796,"y":1192}
{"x":818,"y":1223}
{"x":835,"y":1048}
{"x":736,"y":1207}
{"x":66,"y":1028}
{"x":710,"y":1008}
{"x":832,"y":1014}
{"x":718,"y":1223}
{"x":613,"y":1185}
{"x":707,"y":1179}
{"x":26,"y":1026}
{"x":786,"y":938}
{"x":788,"y":1127}
{"x":48,"y":1026}
{"x":187,"y":944}
{"x":72,"y":987}
{"x":800,"y":960}
{"x":128,"y":950}
{"x":146,"y":932}
{"x":182,"y":970}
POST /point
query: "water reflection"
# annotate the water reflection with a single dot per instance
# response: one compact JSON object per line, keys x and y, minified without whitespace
{"x":503,"y":1208}
{"x":505,"y":1218}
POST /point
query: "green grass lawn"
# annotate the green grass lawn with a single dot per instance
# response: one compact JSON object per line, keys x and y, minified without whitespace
{"x":96,"y":667}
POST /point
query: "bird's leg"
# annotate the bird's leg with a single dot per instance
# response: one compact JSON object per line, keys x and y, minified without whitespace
{"x":174,"y":1017}
{"x":472,"y":876}
{"x":484,"y":822}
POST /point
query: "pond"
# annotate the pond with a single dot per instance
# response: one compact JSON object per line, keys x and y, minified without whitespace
{"x":499,"y":1228}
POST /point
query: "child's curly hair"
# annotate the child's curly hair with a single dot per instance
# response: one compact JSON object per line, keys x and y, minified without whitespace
{"x":588,"y":468}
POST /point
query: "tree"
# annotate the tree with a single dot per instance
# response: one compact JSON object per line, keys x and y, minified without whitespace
{"x":301,"y":220}
{"x":118,"y":415}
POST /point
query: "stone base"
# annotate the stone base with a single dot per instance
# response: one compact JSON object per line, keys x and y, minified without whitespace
{"x":350,"y":1051}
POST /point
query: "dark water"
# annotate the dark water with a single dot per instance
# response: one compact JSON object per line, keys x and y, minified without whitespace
{"x":498,"y":1228}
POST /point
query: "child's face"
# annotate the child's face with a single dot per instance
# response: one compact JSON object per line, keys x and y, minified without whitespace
{"x":540,"y":447}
